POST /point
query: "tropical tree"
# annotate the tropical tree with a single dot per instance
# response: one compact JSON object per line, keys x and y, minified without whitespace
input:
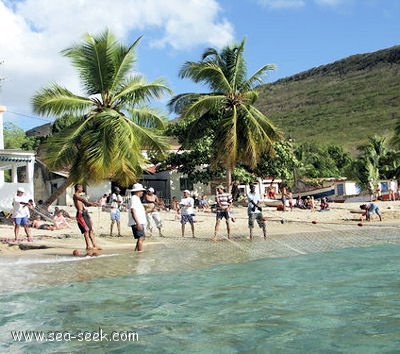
{"x":321,"y":161}
{"x":15,"y":138}
{"x":240,"y":133}
{"x":283,"y":165}
{"x":102,"y":134}
{"x":395,"y":139}
{"x":378,"y":160}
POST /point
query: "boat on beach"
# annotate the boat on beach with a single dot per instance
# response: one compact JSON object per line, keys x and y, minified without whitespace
{"x":318,"y":193}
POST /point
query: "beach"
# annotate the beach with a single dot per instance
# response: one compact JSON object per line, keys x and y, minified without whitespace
{"x":340,"y":217}
{"x":318,"y":276}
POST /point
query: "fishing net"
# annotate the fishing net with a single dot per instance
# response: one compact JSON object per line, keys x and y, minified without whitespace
{"x":309,"y":237}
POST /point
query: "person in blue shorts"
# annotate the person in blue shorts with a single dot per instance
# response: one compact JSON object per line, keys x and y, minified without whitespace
{"x":370,"y":209}
{"x":187,"y":212}
{"x":223,"y":201}
{"x":21,"y":213}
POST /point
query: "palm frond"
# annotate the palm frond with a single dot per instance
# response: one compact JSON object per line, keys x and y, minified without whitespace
{"x":206,"y":103}
{"x":94,"y":61}
{"x":179,"y":103}
{"x":257,"y":78}
{"x":147,"y":117}
{"x":208,"y":73}
{"x":136,"y":91}
{"x":123,"y":58}
{"x":56,"y":100}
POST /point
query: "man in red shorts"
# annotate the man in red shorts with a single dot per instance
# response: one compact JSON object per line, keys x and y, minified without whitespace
{"x":83,"y":218}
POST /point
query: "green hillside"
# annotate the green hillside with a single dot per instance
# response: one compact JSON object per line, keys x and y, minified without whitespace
{"x":339,"y":103}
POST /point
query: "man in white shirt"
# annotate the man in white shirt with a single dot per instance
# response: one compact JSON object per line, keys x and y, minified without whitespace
{"x":137,"y":216}
{"x":254,"y":212}
{"x":187,"y":212}
{"x":21,"y":213}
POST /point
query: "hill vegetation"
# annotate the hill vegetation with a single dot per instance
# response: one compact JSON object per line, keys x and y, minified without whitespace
{"x":340,"y":103}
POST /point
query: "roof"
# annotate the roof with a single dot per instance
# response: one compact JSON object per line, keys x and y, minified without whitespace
{"x":16,"y":157}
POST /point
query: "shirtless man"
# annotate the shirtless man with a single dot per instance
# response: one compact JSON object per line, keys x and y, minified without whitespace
{"x":83,"y":218}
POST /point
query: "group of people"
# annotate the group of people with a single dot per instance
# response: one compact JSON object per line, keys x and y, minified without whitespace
{"x":24,"y":213}
{"x":144,"y":210}
{"x":375,"y":192}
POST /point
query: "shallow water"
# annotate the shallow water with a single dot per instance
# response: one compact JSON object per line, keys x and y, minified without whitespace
{"x":197,"y":297}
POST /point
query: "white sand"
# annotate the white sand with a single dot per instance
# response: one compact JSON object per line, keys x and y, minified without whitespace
{"x":340,"y":216}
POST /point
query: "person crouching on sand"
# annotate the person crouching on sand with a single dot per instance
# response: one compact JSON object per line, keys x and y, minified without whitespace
{"x":371,"y":208}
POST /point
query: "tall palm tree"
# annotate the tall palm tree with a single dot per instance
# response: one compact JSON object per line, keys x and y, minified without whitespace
{"x":241,"y":133}
{"x":108,"y":129}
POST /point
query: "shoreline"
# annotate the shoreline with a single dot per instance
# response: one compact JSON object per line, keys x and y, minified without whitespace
{"x":341,"y":217}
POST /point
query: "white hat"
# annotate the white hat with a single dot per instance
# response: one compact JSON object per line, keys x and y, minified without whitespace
{"x":151,"y":190}
{"x":20,"y":189}
{"x":137,"y":187}
{"x":186,"y":191}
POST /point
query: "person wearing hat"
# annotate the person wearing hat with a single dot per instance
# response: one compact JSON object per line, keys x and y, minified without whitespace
{"x":223,"y":204}
{"x":137,"y":216}
{"x":186,"y":206}
{"x":83,"y":219}
{"x":21,"y":213}
{"x":116,"y":201}
{"x":152,"y":207}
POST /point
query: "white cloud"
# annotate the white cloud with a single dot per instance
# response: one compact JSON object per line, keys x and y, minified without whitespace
{"x":331,"y":2}
{"x":282,"y":4}
{"x":33,"y":32}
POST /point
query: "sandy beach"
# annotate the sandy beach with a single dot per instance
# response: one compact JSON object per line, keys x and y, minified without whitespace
{"x":340,"y":217}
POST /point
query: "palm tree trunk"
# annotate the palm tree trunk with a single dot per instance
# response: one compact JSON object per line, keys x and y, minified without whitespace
{"x":60,"y":190}
{"x":228,"y":179}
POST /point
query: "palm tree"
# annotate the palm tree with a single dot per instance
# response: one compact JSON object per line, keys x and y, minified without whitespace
{"x":241,"y":133}
{"x":395,"y":139}
{"x":105,"y":132}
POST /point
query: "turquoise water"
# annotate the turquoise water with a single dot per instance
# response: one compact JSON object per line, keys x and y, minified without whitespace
{"x":197,"y":299}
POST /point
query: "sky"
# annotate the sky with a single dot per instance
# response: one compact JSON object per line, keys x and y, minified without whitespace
{"x":295,"y":35}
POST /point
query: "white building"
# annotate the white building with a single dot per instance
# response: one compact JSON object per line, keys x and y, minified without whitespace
{"x":19,"y":165}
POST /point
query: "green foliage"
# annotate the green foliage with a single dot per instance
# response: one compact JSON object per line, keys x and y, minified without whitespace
{"x":15,"y":138}
{"x":377,"y":160}
{"x":281,"y":165}
{"x":240,"y":133}
{"x":63,"y":122}
{"x":103,"y":134}
{"x":339,"y":103}
{"x":321,"y":161}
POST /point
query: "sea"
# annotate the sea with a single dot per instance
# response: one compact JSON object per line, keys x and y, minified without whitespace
{"x":195,"y":296}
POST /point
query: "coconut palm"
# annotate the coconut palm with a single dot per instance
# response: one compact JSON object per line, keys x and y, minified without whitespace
{"x":241,"y":133}
{"x":107,"y":129}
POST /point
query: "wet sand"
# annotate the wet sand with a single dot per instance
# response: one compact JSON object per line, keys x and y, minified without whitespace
{"x":340,"y":217}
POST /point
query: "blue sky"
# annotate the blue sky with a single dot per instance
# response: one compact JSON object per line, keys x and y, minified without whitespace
{"x":296,"y":35}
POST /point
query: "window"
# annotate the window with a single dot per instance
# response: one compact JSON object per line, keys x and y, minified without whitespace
{"x":184,"y":183}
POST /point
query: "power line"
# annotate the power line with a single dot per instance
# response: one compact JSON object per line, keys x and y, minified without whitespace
{"x":27,"y":116}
